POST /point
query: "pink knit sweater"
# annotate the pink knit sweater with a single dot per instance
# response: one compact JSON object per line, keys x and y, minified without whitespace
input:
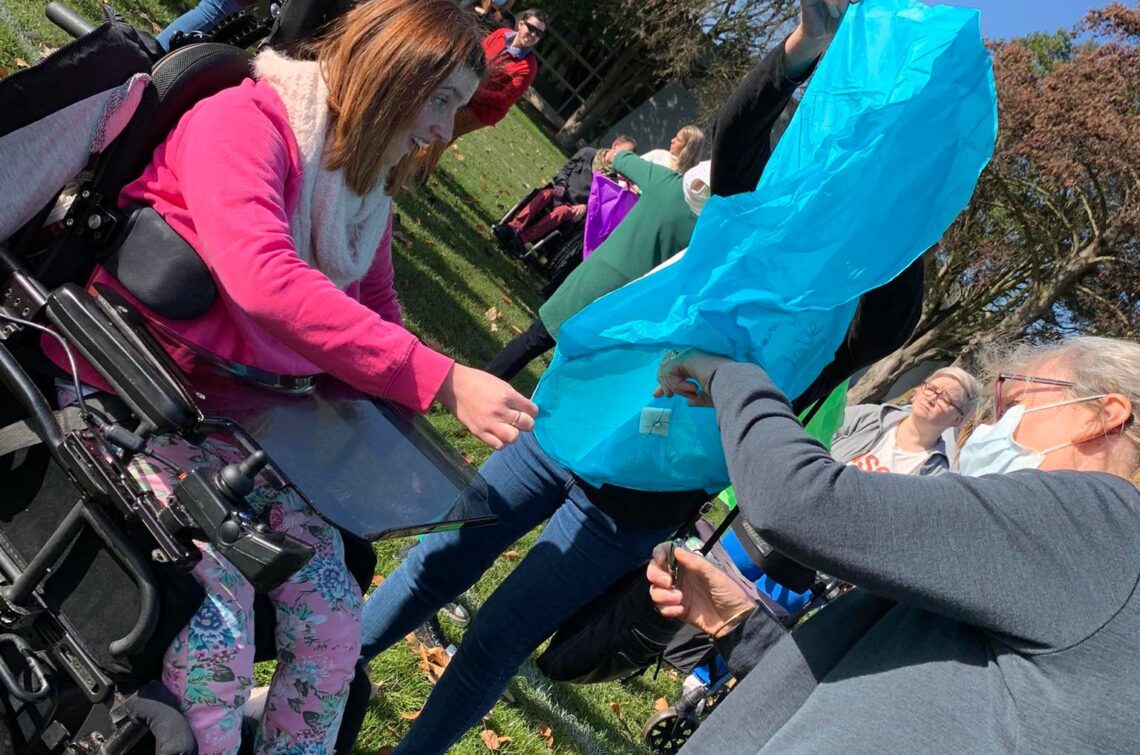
{"x":226,"y":180}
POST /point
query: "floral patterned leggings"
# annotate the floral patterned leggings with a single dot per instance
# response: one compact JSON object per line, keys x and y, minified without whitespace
{"x":209,"y":666}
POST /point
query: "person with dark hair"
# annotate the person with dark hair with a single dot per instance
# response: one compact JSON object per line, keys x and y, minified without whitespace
{"x":511,"y":68}
{"x":564,"y":201}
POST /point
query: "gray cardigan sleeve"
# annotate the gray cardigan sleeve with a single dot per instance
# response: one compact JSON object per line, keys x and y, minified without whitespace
{"x":1042,"y":559}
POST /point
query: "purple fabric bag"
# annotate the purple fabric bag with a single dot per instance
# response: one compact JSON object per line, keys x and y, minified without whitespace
{"x":609,"y":203}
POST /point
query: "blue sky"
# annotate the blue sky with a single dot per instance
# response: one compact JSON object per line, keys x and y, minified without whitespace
{"x":1002,"y":19}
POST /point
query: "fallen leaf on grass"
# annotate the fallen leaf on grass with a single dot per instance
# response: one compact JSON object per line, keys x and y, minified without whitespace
{"x":410,"y":716}
{"x":469,"y":458}
{"x":402,"y":238}
{"x":385,"y":750}
{"x":547,"y":734}
{"x":507,"y":300}
{"x":660,"y":703}
{"x":3,"y":72}
{"x":516,"y":330}
{"x":377,"y":580}
{"x":615,"y":706}
{"x":492,"y":314}
{"x":492,"y":740}
{"x":494,"y":328}
{"x":20,"y":63}
{"x":433,"y":662}
{"x":512,"y":555}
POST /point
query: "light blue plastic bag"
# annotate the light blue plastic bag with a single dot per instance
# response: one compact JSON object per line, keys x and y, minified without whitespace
{"x":882,"y":154}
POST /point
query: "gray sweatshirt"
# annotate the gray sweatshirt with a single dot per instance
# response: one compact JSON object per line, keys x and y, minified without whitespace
{"x":862,"y":426}
{"x":997,"y":614}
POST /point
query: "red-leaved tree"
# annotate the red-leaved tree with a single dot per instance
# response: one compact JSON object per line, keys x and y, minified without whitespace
{"x":1048,"y":243}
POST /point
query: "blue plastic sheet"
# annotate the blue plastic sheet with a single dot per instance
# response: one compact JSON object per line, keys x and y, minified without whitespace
{"x":882,"y":154}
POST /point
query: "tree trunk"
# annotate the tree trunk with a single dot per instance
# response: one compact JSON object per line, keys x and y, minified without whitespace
{"x":950,"y":339}
{"x":624,"y":76}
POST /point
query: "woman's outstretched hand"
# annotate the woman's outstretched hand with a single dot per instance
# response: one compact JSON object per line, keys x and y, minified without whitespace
{"x":490,"y":408}
{"x":687,"y":374}
{"x":704,"y":596}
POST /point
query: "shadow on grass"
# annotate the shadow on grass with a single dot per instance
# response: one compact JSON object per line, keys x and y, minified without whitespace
{"x":585,"y":722}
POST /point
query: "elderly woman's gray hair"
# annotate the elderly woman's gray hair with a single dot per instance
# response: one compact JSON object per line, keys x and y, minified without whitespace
{"x":1096,"y":365}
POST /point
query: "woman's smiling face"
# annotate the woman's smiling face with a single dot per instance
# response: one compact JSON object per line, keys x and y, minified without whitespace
{"x":435,"y":120}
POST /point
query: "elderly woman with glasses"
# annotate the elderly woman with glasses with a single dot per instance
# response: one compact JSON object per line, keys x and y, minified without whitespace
{"x":996,"y":612}
{"x":888,"y":438}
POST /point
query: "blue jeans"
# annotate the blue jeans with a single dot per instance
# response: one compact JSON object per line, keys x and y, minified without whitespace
{"x":581,"y":552}
{"x":201,"y":17}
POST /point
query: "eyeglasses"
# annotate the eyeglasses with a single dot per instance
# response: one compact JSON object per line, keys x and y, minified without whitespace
{"x":1001,"y":401}
{"x":535,"y":30}
{"x":940,"y":394}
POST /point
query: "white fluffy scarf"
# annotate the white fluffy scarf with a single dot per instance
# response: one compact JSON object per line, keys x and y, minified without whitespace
{"x":334,"y":229}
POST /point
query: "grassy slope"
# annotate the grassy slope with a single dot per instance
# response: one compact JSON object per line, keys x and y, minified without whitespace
{"x":449,"y":275}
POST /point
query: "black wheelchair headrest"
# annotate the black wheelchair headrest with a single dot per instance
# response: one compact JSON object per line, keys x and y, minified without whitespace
{"x":178,"y":81}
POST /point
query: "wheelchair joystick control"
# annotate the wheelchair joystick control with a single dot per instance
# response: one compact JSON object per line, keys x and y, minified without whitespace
{"x":217,"y":511}
{"x":237,"y":480}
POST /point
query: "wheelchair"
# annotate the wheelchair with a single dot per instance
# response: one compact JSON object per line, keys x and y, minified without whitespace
{"x":94,"y":570}
{"x":555,"y":255}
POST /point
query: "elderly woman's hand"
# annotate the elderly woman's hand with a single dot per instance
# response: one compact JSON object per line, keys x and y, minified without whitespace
{"x":687,"y":373}
{"x":704,"y":596}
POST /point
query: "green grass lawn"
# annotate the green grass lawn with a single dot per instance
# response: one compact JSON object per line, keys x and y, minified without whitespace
{"x":449,"y":275}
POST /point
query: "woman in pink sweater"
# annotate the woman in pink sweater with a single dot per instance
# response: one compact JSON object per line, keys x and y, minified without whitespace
{"x":283,"y":186}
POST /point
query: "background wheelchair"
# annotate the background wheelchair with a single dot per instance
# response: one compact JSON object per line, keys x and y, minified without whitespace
{"x":555,"y":255}
{"x":94,"y":570}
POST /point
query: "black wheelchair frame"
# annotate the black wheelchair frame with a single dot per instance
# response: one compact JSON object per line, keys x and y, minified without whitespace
{"x":78,"y":667}
{"x":556,"y":254}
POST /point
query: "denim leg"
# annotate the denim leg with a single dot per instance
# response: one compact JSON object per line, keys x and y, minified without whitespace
{"x":524,"y":487}
{"x":579,"y":555}
{"x":201,"y":17}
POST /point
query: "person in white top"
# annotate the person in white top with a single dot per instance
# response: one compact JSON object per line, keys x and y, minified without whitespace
{"x":908,"y":441}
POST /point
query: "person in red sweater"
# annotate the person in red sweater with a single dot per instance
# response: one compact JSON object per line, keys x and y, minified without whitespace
{"x":511,"y":68}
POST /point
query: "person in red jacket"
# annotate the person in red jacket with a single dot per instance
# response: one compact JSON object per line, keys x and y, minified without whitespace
{"x":511,"y":67}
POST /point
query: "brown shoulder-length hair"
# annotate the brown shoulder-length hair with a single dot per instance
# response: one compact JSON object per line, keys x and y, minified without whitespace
{"x":382,"y":61}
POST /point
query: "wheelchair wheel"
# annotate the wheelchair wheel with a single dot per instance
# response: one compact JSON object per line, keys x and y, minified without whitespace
{"x":667,"y":730}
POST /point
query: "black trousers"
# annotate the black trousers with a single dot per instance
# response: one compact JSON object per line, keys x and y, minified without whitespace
{"x":531,"y":343}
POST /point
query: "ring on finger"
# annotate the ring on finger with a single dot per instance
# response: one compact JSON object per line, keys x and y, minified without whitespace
{"x":518,"y":416}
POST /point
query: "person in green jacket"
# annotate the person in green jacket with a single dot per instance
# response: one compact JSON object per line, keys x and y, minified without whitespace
{"x":657,"y":228}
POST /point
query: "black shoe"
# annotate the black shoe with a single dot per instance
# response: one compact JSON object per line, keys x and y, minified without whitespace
{"x":503,"y":233}
{"x":509,"y":240}
{"x":430,"y":634}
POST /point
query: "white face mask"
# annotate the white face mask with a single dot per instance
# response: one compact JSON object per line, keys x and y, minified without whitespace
{"x":991,"y":449}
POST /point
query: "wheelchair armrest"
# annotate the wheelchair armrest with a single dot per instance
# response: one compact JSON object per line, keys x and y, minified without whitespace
{"x":125,"y":359}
